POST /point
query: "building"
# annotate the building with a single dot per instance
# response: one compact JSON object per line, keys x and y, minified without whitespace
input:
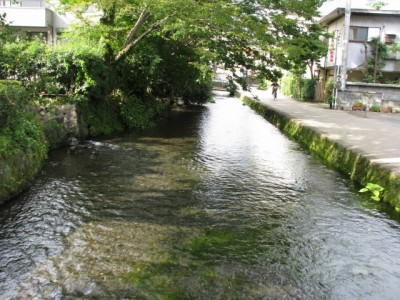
{"x":34,"y":18}
{"x":39,"y":18}
{"x":365,"y":25}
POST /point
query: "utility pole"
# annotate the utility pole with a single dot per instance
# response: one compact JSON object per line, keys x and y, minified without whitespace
{"x":345,"y":43}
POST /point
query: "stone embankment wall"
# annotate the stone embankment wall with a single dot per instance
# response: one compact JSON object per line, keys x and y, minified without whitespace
{"x":357,"y":167}
{"x":19,"y":171}
{"x":61,"y":124}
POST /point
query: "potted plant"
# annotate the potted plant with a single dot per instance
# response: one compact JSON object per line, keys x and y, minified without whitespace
{"x":358,"y":105}
{"x":387,"y":109}
{"x":396,"y":109}
{"x":375,"y":108}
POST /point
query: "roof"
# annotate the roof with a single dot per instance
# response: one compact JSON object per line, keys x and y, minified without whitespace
{"x":340,"y":11}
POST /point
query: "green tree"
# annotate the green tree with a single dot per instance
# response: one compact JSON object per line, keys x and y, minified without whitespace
{"x":237,"y":34}
{"x":376,"y":61}
{"x":303,"y":50}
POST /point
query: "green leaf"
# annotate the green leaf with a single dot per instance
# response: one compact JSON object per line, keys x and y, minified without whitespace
{"x":376,"y":198}
{"x":363,"y":190}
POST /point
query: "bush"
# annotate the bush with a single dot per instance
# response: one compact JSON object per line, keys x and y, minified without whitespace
{"x":328,"y":92}
{"x":13,"y":99}
{"x":263,"y":84}
{"x":298,"y":88}
{"x":101,"y":117}
{"x":358,"y":103}
{"x":231,"y":86}
{"x":375,"y":108}
{"x":135,"y":114}
{"x":20,"y":128}
{"x":291,"y":86}
{"x":21,"y":60}
{"x":308,"y":89}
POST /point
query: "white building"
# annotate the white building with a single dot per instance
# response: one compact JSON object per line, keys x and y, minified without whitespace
{"x":38,"y":17}
{"x":365,"y":24}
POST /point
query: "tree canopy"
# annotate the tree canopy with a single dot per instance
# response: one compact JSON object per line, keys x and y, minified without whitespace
{"x":248,"y":34}
{"x":133,"y":58}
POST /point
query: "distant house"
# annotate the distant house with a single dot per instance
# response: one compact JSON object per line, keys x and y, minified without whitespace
{"x":365,"y":24}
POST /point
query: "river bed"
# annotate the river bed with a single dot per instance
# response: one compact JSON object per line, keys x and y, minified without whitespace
{"x":213,"y":203}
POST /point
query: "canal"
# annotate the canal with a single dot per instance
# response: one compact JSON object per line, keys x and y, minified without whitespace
{"x":214,"y":203}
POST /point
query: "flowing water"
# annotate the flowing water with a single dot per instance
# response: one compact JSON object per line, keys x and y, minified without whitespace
{"x":215,"y":203}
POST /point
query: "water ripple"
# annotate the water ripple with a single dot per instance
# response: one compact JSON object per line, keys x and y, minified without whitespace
{"x":215,"y":203}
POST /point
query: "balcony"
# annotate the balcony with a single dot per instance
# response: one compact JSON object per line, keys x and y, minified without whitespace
{"x":27,"y":13}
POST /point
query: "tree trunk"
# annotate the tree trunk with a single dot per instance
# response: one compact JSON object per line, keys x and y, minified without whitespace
{"x":376,"y":59}
{"x":365,"y":71}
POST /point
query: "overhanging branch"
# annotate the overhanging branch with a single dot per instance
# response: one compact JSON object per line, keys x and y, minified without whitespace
{"x":139,"y":24}
{"x":132,"y":42}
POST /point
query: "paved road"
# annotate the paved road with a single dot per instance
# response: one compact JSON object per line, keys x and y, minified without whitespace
{"x":374,"y":135}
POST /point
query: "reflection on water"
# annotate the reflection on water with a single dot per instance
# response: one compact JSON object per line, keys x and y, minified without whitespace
{"x":214,"y":203}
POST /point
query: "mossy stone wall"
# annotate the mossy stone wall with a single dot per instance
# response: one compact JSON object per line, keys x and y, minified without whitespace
{"x":18,"y":172}
{"x":353,"y":164}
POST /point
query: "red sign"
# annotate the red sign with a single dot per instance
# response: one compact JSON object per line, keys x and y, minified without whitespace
{"x":331,"y":55}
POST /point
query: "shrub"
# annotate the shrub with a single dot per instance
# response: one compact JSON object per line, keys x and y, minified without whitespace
{"x":101,"y":117}
{"x":135,"y":114}
{"x":291,"y":86}
{"x":199,"y":92}
{"x":308,"y":89}
{"x":328,"y":92}
{"x":358,"y":103}
{"x":298,"y":88}
{"x":13,"y":99}
{"x":375,"y":108}
{"x":20,"y":128}
{"x":231,"y":86}
{"x":263,"y":84}
{"x":21,"y":60}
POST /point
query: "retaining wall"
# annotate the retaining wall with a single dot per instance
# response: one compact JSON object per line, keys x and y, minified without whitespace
{"x":19,"y":171}
{"x":385,"y":95}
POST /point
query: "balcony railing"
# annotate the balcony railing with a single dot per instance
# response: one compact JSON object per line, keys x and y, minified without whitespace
{"x":23,"y":3}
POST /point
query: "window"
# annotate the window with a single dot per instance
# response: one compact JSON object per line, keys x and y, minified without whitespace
{"x":358,"y":34}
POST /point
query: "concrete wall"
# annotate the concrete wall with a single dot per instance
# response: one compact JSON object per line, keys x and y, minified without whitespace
{"x":372,"y":93}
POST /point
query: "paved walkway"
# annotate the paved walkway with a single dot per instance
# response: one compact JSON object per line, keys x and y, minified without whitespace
{"x":374,"y":135}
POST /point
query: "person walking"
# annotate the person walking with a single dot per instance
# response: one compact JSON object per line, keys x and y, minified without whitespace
{"x":275,"y":87}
